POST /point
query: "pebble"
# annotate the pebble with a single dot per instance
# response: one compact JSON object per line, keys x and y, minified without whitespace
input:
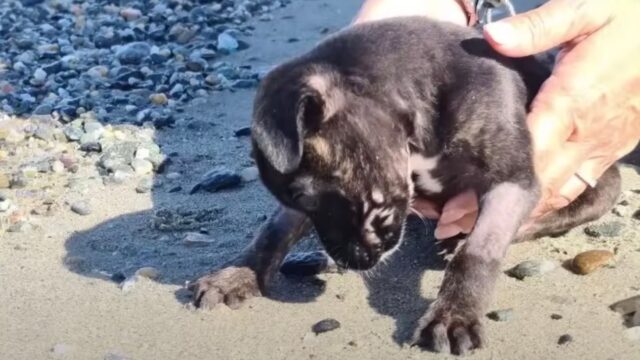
{"x":5,"y":181}
{"x":19,"y":181}
{"x":98,"y":71}
{"x":176,"y":91}
{"x":60,"y":350}
{"x":44,"y":109}
{"x":31,"y":2}
{"x":144,"y":186}
{"x":627,"y":306}
{"x":94,"y":127}
{"x":121,"y":176}
{"x":636,"y":215}
{"x":130,"y":14}
{"x":633,"y":333}
{"x":128,"y":284}
{"x":91,"y":147}
{"x":219,"y":178}
{"x":588,"y":261}
{"x":5,"y":204}
{"x":73,"y":133}
{"x":89,"y":138}
{"x":196,"y":64}
{"x":245,"y":131}
{"x":158,"y":99}
{"x":325,"y":325}
{"x":118,"y":277}
{"x":250,"y":174}
{"x":81,"y":208}
{"x":148,"y":272}
{"x":30,"y":172}
{"x":39,"y":76}
{"x":531,"y":268}
{"x":174,"y":176}
{"x":565,"y":339}
{"x":621,"y":211}
{"x":133,"y":53}
{"x":608,"y":229}
{"x":20,"y":226}
{"x":244,"y":83}
{"x":307,"y":264}
{"x":227,"y":43}
{"x":11,"y":135}
{"x":501,"y":315}
{"x":44,"y":133}
{"x":118,"y":154}
{"x":556,"y":316}
{"x":197,"y":239}
{"x":141,"y":166}
{"x":57,"y":167}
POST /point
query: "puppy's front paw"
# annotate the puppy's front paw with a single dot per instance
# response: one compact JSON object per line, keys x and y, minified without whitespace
{"x":231,"y":285}
{"x":449,"y":328}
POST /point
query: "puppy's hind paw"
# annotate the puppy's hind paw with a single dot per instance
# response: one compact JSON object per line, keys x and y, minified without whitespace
{"x":231,"y":286}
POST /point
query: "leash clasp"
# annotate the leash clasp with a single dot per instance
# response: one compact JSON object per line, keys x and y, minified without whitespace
{"x":486,"y":9}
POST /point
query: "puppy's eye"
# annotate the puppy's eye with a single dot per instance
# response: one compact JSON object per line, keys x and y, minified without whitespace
{"x":307,"y":202}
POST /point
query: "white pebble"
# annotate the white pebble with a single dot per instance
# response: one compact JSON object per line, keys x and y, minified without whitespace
{"x":5,"y":205}
{"x":40,"y":75}
{"x":142,"y":153}
{"x":128,"y":284}
{"x":142,"y":167}
{"x":197,"y":239}
{"x":249,"y":174}
{"x":57,"y":167}
{"x":148,"y":272}
{"x":174,"y":176}
{"x":633,"y":333}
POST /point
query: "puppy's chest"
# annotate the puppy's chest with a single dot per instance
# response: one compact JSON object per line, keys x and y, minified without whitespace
{"x":423,"y":174}
{"x":436,"y":176}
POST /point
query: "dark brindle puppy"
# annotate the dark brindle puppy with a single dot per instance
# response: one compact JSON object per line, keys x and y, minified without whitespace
{"x":346,"y":135}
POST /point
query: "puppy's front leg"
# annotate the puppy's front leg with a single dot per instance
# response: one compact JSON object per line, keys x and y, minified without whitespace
{"x":453,"y":321}
{"x":251,"y":272}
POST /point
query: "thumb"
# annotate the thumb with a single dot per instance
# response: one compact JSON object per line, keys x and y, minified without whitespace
{"x":550,"y":25}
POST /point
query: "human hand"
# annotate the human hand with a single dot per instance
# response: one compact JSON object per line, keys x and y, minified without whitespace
{"x":587,"y":114}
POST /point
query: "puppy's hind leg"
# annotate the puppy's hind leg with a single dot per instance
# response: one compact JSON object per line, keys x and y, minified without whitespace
{"x":453,"y":321}
{"x":251,"y":272}
{"x":592,"y":204}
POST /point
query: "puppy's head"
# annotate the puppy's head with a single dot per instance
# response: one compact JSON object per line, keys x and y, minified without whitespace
{"x":325,"y":148}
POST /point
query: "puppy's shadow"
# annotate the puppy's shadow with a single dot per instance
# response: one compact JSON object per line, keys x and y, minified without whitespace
{"x":394,"y":288}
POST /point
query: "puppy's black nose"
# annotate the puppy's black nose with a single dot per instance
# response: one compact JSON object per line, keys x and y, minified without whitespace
{"x":362,"y":257}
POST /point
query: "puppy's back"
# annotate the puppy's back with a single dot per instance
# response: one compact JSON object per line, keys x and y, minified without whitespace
{"x":388,"y":52}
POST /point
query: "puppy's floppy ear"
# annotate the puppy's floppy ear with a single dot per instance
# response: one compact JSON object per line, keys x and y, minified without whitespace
{"x":285,"y":115}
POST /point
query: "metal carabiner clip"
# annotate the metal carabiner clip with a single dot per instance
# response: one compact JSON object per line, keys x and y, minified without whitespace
{"x":485,"y":9}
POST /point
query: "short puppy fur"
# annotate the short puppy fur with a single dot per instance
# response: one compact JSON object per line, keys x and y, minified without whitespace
{"x":346,"y":135}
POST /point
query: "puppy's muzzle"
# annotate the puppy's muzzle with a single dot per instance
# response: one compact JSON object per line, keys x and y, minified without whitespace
{"x":357,"y":256}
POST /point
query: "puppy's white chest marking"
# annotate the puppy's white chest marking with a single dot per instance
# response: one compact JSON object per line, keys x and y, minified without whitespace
{"x":422,"y":167}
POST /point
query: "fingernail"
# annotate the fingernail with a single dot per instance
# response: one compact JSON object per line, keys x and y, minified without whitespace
{"x":446,"y":231}
{"x":501,"y":32}
{"x":559,"y":203}
{"x":451,"y":215}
